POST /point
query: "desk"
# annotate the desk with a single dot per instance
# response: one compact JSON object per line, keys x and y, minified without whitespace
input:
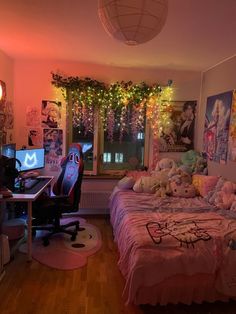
{"x":29,"y":198}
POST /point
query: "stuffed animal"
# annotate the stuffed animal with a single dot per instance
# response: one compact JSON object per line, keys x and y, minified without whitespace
{"x":233,"y":206}
{"x":210,"y":197}
{"x":189,"y":159}
{"x":179,"y":176}
{"x":163,"y":190}
{"x":182,"y":190}
{"x":200,"y":167}
{"x":165,"y":163}
{"x":226,"y":196}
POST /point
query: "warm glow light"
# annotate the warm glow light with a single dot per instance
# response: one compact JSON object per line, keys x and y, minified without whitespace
{"x":0,"y":91}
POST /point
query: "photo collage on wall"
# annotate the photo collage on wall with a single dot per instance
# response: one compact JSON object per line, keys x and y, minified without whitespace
{"x":43,"y":129}
{"x":216,"y":140}
{"x":178,"y":134}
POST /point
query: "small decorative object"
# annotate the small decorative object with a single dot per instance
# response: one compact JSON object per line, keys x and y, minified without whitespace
{"x":133,"y":22}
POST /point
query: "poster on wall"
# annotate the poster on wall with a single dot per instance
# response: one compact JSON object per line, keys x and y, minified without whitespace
{"x":53,"y":145}
{"x":232,"y":130}
{"x":35,"y":137}
{"x":216,"y":130}
{"x":178,"y":134}
{"x":32,"y":116}
{"x":3,"y":95}
{"x":51,"y":114}
{"x":9,"y":122}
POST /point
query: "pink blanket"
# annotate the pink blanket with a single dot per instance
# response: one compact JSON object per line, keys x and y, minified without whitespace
{"x":156,"y":243}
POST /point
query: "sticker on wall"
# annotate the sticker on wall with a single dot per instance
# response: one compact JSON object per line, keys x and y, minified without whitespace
{"x":51,"y":114}
{"x":178,"y":133}
{"x":232,"y":130}
{"x":32,"y":116}
{"x":53,"y":145}
{"x":9,"y":136}
{"x":216,"y":130}
{"x":35,"y":137}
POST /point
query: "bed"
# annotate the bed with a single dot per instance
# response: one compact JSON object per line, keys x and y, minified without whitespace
{"x":172,"y":249}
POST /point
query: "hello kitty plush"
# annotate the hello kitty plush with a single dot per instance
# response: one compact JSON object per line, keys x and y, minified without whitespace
{"x":182,"y":189}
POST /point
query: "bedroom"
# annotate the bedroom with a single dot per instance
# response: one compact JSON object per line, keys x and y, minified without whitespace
{"x":194,"y":50}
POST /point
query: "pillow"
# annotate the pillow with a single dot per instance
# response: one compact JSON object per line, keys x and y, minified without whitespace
{"x":137,"y":174}
{"x":210,"y":197}
{"x":204,"y":184}
{"x":146,"y":185}
{"x":126,"y":183}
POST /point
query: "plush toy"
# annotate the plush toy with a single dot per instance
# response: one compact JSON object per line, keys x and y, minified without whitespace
{"x":163,"y":190}
{"x":233,"y":206}
{"x":179,"y":176}
{"x":189,"y":159}
{"x":165,"y":163}
{"x":200,"y":166}
{"x":226,"y":196}
{"x":210,"y":197}
{"x":182,"y":190}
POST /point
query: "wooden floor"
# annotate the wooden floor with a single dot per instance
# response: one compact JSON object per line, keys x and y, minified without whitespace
{"x":31,"y":288}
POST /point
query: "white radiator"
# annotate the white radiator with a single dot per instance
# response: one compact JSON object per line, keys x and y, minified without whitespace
{"x":94,"y":201}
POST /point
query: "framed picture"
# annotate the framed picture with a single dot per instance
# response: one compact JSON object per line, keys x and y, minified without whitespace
{"x":178,"y":133}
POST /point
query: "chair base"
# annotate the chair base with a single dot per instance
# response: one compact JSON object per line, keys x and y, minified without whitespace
{"x":57,"y":228}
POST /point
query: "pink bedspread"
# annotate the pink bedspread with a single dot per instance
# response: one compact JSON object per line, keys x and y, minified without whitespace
{"x":160,"y":238}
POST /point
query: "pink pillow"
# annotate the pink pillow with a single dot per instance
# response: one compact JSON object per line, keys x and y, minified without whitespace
{"x":204,"y":184}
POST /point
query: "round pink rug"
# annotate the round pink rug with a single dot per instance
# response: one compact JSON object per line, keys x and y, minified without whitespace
{"x":62,"y":253}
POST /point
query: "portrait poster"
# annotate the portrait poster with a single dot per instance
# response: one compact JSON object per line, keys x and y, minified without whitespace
{"x":216,"y":129}
{"x":3,"y":95}
{"x":32,"y":116}
{"x":178,"y":133}
{"x":51,"y":114}
{"x":35,"y":137}
{"x":53,"y":145}
{"x":232,"y":130}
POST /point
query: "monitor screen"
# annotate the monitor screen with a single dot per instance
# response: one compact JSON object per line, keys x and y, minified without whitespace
{"x":8,"y":150}
{"x":30,"y":159}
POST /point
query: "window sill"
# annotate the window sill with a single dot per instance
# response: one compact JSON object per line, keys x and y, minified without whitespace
{"x":103,"y":177}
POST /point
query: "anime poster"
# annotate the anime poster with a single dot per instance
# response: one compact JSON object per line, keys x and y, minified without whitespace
{"x":3,"y":95}
{"x":216,"y":130}
{"x":35,"y":137}
{"x":53,"y":142}
{"x":178,"y":134}
{"x":232,"y":130}
{"x":32,"y":116}
{"x":51,"y":114}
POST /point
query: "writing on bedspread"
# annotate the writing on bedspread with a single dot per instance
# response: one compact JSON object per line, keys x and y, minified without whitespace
{"x":187,"y":233}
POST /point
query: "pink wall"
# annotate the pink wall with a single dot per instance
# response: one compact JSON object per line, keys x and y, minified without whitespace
{"x":216,"y":80}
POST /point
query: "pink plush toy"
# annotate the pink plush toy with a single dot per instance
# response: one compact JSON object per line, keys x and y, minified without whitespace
{"x":183,"y":189}
{"x":226,"y":196}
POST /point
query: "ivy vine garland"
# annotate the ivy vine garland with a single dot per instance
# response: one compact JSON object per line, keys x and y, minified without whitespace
{"x":123,"y":106}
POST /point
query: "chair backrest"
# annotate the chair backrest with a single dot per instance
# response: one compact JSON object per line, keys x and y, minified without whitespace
{"x":70,"y":179}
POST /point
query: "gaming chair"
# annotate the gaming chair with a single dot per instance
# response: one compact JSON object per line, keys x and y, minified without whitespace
{"x":67,"y":190}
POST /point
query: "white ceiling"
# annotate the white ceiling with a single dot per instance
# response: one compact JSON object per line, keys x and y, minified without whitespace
{"x":198,"y":34}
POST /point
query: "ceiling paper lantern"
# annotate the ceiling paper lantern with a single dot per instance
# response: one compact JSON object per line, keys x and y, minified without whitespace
{"x":133,"y":21}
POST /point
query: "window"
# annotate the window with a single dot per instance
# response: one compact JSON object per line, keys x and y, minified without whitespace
{"x":101,"y":155}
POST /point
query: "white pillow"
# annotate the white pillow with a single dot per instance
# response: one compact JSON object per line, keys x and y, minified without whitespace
{"x":126,"y":183}
{"x":146,"y":185}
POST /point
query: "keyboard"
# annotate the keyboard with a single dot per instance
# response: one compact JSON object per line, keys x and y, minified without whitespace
{"x":29,"y":183}
{"x":35,"y":187}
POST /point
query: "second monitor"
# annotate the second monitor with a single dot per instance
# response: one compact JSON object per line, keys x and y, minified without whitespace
{"x":30,"y":159}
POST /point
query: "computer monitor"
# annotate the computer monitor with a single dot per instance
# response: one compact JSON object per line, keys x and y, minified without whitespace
{"x":8,"y":150}
{"x":30,"y":159}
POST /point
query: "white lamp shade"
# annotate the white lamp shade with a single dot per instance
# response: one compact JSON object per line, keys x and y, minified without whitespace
{"x":133,"y":21}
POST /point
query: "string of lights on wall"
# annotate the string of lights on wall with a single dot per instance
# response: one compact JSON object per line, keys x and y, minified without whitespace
{"x":123,"y":106}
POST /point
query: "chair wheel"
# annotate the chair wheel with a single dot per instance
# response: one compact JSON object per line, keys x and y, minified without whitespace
{"x":73,"y":237}
{"x":45,"y":242}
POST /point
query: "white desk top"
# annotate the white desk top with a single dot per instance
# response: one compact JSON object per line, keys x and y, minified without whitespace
{"x":18,"y":197}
